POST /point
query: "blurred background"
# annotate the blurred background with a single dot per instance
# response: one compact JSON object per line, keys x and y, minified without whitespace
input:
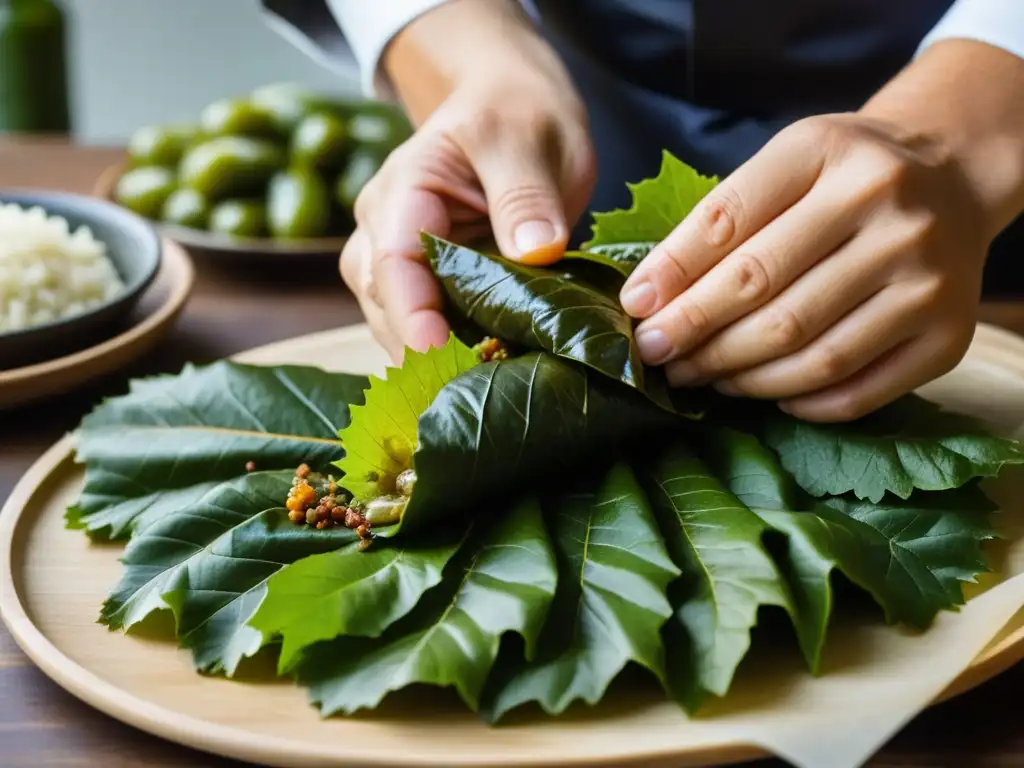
{"x":137,"y":62}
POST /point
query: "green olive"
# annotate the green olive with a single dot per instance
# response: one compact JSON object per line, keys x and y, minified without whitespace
{"x":238,"y":117}
{"x":239,"y":218}
{"x":320,"y":141}
{"x":186,"y":208}
{"x":359,"y":169}
{"x":160,"y":145}
{"x":230,"y":166}
{"x":385,"y":510}
{"x":144,"y":190}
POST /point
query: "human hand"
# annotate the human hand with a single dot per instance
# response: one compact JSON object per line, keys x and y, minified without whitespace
{"x":836,"y":270}
{"x":841,"y":267}
{"x":507,"y":151}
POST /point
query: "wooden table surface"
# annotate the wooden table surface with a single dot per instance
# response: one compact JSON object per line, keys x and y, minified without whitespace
{"x":41,"y":725}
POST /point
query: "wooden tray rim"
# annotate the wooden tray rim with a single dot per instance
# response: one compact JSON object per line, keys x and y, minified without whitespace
{"x":228,"y":742}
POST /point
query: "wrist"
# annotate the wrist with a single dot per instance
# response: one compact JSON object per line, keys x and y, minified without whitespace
{"x":962,"y":98}
{"x":471,"y":45}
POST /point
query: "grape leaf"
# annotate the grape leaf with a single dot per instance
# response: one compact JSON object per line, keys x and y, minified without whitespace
{"x":911,"y":556}
{"x":531,"y":419}
{"x":610,"y":604}
{"x":209,"y":561}
{"x":346,"y":592}
{"x":502,"y":581}
{"x":539,"y":309}
{"x":172,"y":439}
{"x":382,"y":436}
{"x":727,"y":574}
{"x":622,"y":257}
{"x":910,"y":444}
{"x":659,"y":204}
{"x":571,"y":313}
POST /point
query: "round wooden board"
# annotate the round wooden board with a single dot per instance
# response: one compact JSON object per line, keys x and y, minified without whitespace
{"x":53,"y":581}
{"x":157,"y":309}
{"x":228,"y":247}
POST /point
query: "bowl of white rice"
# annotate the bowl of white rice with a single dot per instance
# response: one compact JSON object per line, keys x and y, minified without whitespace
{"x":71,"y":269}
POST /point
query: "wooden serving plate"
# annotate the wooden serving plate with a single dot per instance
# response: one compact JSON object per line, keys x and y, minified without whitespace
{"x":52,"y":583}
{"x":153,"y":316}
{"x":222,"y":246}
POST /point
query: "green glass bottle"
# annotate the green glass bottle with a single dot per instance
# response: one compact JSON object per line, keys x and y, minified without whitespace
{"x":33,"y":68}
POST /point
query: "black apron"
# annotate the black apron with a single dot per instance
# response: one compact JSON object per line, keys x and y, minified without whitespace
{"x":713,"y":80}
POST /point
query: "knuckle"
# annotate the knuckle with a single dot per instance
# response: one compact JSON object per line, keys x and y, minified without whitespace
{"x":888,"y":174}
{"x":710,"y":361}
{"x":512,"y":120}
{"x":486,"y":125}
{"x":929,"y":293}
{"x":350,"y":264}
{"x":669,"y":258}
{"x":814,"y":132}
{"x":783,"y":329}
{"x":752,"y":278}
{"x":524,"y":202}
{"x":827,"y":364}
{"x":721,"y":216}
{"x":921,"y":232}
{"x":690,"y":320}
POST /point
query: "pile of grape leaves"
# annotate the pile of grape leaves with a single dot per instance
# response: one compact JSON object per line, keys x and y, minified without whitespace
{"x":572,"y":514}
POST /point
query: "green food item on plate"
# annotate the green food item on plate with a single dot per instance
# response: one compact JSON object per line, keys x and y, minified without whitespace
{"x":362,"y":165}
{"x":145,"y":190}
{"x":230,"y":166}
{"x":286,"y":103}
{"x":239,"y":218}
{"x":298,"y":205}
{"x":320,"y":141}
{"x":381,"y":129}
{"x":238,"y":117}
{"x":186,"y":208}
{"x":160,"y":144}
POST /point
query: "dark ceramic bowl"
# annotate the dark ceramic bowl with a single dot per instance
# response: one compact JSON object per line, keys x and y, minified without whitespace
{"x":132,"y":245}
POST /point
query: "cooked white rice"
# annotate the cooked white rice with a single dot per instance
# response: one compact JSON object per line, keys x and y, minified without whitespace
{"x":48,"y":273}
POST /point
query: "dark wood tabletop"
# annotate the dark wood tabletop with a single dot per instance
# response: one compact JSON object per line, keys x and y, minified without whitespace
{"x":41,"y":725}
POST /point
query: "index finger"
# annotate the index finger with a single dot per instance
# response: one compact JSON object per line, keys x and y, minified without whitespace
{"x":745,"y":202}
{"x":406,"y":286}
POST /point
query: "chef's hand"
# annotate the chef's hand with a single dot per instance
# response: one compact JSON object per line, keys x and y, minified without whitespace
{"x":841,"y":267}
{"x":503,"y":145}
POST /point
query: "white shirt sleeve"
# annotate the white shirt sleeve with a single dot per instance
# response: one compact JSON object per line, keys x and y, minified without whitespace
{"x":368,"y":27}
{"x":357,"y":36}
{"x":999,"y":23}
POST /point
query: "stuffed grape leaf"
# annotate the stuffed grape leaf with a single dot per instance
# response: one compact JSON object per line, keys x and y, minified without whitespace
{"x":535,"y":418}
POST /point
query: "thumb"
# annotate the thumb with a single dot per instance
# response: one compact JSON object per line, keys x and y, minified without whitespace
{"x":525,"y":205}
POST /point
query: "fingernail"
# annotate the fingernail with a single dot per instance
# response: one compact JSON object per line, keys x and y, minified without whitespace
{"x":638,"y":300}
{"x":785,"y":407}
{"x":531,"y":235}
{"x":682,"y":373}
{"x":654,"y":346}
{"x":727,"y":388}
